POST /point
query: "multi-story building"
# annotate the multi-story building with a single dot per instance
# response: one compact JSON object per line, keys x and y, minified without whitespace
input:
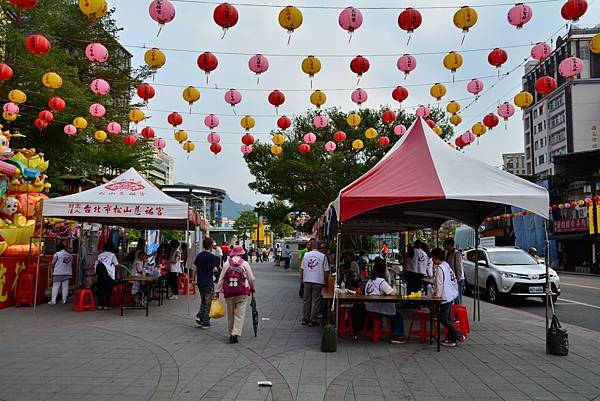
{"x":514,"y":163}
{"x":161,"y":171}
{"x":568,"y":119}
{"x":206,"y":200}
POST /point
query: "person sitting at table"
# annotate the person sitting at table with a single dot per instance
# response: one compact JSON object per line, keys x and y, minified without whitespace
{"x":378,"y":286}
{"x":349,"y":271}
{"x":446,"y":288}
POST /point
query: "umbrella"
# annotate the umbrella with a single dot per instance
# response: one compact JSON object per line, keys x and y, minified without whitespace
{"x":254,"y":315}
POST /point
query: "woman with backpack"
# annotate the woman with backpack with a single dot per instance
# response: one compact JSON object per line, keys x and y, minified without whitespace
{"x":105,"y":266}
{"x":236,"y":282}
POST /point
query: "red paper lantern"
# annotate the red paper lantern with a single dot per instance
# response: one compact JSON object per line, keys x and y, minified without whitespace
{"x":545,"y":85}
{"x":129,"y":140}
{"x":175,"y":119}
{"x":56,"y":104}
{"x":247,"y":139}
{"x":384,"y":141}
{"x":431,"y":123}
{"x":459,"y":143}
{"x":573,"y":204}
{"x":409,"y":19}
{"x":284,"y":122}
{"x":388,"y":117}
{"x":572,"y":10}
{"x":304,"y":148}
{"x":497,"y":57}
{"x":225,"y":15}
{"x":276,"y":98}
{"x":37,"y":44}
{"x":596,"y":198}
{"x":490,"y":120}
{"x":148,"y":133}
{"x":339,"y":136}
{"x":6,"y":73}
{"x":207,"y":62}
{"x":26,"y":4}
{"x":400,"y":94}
{"x":359,"y":65}
{"x":215,"y":148}
{"x":46,"y":116}
{"x":145,"y":91}
{"x":40,"y":124}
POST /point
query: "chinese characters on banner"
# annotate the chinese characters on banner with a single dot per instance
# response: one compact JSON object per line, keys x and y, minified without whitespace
{"x":114,"y":210}
{"x":570,"y":225}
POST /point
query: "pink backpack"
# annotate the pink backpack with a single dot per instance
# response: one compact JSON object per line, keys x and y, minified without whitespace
{"x":234,"y":280}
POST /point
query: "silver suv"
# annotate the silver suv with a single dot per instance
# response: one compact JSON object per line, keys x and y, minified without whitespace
{"x":508,"y":271}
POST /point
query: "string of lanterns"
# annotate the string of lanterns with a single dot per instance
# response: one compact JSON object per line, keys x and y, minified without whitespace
{"x":561,"y":206}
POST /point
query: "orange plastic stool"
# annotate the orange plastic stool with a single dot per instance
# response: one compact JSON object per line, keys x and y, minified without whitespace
{"x":25,"y":290}
{"x":376,"y":332}
{"x":345,"y":323}
{"x":422,"y":332}
{"x":83,"y":300}
{"x":460,"y":314}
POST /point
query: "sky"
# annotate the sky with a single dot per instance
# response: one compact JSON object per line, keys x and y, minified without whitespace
{"x":193,"y":31}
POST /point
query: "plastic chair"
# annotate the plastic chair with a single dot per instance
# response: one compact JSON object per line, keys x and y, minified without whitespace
{"x":25,"y":290}
{"x":345,"y":323}
{"x":422,"y":332}
{"x":460,"y":315}
{"x":376,"y":332}
{"x":116,"y":297}
{"x":83,"y":300}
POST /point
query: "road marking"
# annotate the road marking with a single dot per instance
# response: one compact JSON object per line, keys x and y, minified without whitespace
{"x":580,"y":303}
{"x":579,"y":285}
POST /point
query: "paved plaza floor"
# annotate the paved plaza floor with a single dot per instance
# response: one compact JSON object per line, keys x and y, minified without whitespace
{"x":61,"y":355}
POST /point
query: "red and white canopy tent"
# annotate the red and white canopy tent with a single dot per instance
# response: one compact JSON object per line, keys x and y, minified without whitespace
{"x":423,"y":182}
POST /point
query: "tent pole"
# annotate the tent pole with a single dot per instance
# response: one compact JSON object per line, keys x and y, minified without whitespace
{"x":337,"y":274}
{"x":476,"y":298}
{"x":548,"y":292}
{"x":187,"y":256}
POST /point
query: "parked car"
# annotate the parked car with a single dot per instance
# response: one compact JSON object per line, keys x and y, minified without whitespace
{"x":508,"y":271}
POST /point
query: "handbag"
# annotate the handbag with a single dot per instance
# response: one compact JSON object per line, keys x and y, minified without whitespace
{"x":216,"y":309}
{"x":329,"y":339}
{"x":557,"y":338}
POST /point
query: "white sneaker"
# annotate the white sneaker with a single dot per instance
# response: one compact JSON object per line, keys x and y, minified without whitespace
{"x":173,"y":297}
{"x":51,"y":303}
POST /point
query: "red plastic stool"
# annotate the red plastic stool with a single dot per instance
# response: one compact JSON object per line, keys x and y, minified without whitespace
{"x":422,"y":332}
{"x":116,"y":297}
{"x":460,"y":314}
{"x":25,"y":290}
{"x":376,"y":332}
{"x":345,"y":323}
{"x":83,"y":300}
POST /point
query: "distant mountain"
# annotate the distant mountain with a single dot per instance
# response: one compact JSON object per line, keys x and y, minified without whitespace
{"x":232,"y":209}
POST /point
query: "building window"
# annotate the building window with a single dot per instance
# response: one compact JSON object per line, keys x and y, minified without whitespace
{"x":539,"y":127}
{"x":541,"y":159}
{"x":557,"y":119}
{"x":536,"y":145}
{"x":510,"y":165}
{"x":535,"y":114}
{"x":544,"y":124}
{"x":526,"y":121}
{"x":555,"y":103}
{"x":558,"y":137}
{"x":584,"y":51}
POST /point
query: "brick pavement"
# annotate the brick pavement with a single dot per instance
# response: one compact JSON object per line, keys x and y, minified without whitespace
{"x":62,"y":355}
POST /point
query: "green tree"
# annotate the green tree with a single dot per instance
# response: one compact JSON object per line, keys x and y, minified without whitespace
{"x":69,"y":32}
{"x":245,"y":223}
{"x":276,"y":213}
{"x":309,"y":182}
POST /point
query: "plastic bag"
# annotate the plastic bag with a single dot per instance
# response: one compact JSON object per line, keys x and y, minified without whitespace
{"x":557,"y":338}
{"x":216,"y":309}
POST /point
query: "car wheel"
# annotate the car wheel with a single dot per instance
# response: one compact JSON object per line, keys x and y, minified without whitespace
{"x":492,"y":292}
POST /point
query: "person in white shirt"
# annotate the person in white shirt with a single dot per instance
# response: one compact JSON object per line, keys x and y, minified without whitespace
{"x":218,"y":252}
{"x":416,"y":269}
{"x":105,"y":266}
{"x":174,"y":262}
{"x":315,"y":272}
{"x":446,"y":288}
{"x":378,"y":285}
{"x":138,"y":269}
{"x":62,"y":263}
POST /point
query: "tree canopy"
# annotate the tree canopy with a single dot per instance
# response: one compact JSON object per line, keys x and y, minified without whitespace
{"x":245,"y":223}
{"x":277,"y":216}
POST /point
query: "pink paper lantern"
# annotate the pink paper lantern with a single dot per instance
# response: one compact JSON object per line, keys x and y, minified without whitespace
{"x":468,"y":137}
{"x":506,"y":110}
{"x":213,"y":137}
{"x":233,"y":97}
{"x":422,"y":111}
{"x":246,"y":149}
{"x":310,"y":138}
{"x":96,"y":53}
{"x":570,"y":67}
{"x":100,"y":87}
{"x":475,"y":86}
{"x":519,"y":15}
{"x":359,"y":96}
{"x":70,"y":129}
{"x":162,"y":11}
{"x":160,"y":143}
{"x":97,"y":110}
{"x":399,"y":129}
{"x":406,"y":64}
{"x":320,"y":121}
{"x":330,"y":146}
{"x":258,"y":64}
{"x":114,"y":128}
{"x":211,"y":121}
{"x":11,"y":108}
{"x":540,"y":51}
{"x":350,"y":19}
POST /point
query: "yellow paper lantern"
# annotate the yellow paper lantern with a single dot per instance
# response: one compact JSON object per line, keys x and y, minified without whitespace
{"x":100,"y":135}
{"x":9,"y":116}
{"x":278,"y":139}
{"x":191,"y":94}
{"x":465,"y":18}
{"x":181,"y":136}
{"x":311,"y":65}
{"x":357,"y":144}
{"x":581,"y":202}
{"x":247,"y":122}
{"x":453,"y":107}
{"x":371,"y":133}
{"x":438,"y":91}
{"x":438,"y":130}
{"x":80,"y":123}
{"x":93,"y":8}
{"x":595,"y":44}
{"x":353,"y":120}
{"x":102,"y":11}
{"x":189,"y":147}
{"x":17,"y":96}
{"x":318,"y":98}
{"x":523,"y":100}
{"x":276,"y":150}
{"x":455,"y":119}
{"x":453,"y":61}
{"x":136,"y":115}
{"x":290,"y":18}
{"x":478,"y":129}
{"x":155,"y":58}
{"x":52,"y":80}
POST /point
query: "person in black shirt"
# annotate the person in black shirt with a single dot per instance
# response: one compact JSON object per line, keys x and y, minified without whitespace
{"x":207,"y":268}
